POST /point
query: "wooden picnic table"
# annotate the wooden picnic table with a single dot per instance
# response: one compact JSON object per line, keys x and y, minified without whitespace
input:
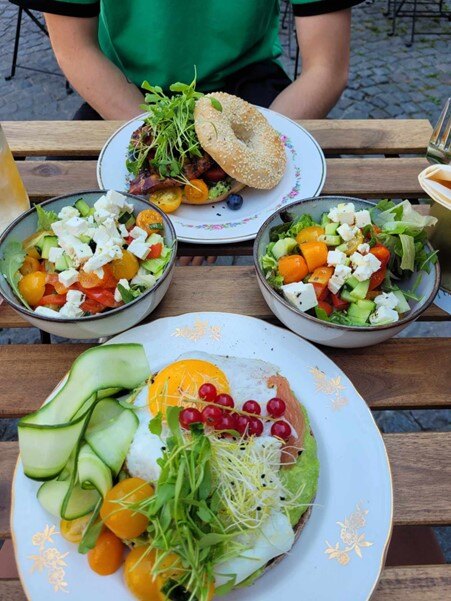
{"x":371,"y":159}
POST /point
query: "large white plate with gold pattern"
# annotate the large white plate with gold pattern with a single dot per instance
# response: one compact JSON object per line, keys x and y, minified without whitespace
{"x":215,"y":223}
{"x":340,"y":552}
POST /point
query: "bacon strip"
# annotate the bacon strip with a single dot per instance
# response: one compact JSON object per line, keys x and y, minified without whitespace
{"x":293,"y":414}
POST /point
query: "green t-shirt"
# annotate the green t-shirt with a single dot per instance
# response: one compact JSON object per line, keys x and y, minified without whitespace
{"x":162,"y":40}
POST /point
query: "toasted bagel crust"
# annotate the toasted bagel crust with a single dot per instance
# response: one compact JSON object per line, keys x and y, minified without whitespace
{"x":240,"y":140}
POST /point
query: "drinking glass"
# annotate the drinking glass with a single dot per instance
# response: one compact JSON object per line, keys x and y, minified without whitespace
{"x":13,"y":196}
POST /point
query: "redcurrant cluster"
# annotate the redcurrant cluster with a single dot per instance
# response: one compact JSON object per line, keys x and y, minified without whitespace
{"x":220,"y":413}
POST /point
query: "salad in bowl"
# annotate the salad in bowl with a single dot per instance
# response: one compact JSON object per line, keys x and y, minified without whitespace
{"x":87,"y":257}
{"x":349,"y":264}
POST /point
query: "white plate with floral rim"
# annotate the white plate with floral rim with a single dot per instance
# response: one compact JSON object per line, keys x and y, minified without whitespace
{"x":341,"y":550}
{"x":216,"y":223}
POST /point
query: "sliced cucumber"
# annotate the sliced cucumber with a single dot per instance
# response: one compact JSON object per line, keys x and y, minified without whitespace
{"x":112,"y":441}
{"x":83,"y":208}
{"x":92,"y":472}
{"x":330,"y":229}
{"x":325,"y":220}
{"x":361,"y":290}
{"x":53,"y":496}
{"x":283,"y":247}
{"x":48,"y":436}
{"x":352,"y":282}
{"x":47,"y":243}
{"x":402,"y":306}
{"x":330,"y":240}
{"x":108,"y":392}
{"x":345,"y":295}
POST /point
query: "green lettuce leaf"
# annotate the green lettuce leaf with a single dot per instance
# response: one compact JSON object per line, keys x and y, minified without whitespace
{"x":408,"y":252}
{"x":13,"y":258}
{"x":45,"y":218}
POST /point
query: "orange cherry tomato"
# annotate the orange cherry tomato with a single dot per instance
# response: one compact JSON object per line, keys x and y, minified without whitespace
{"x":155,"y":251}
{"x":138,"y":577}
{"x":106,"y":557}
{"x":150,"y":221}
{"x":52,"y":279}
{"x":321,"y":275}
{"x":32,"y":251}
{"x":382,"y":253}
{"x":32,"y":287}
{"x":168,"y":199}
{"x":89,"y":279}
{"x":314,"y":253}
{"x":122,"y":517}
{"x":196,"y":192}
{"x":29,"y":265}
{"x":292,"y":268}
{"x":73,"y":530}
{"x":309,"y":234}
{"x":126,"y":267}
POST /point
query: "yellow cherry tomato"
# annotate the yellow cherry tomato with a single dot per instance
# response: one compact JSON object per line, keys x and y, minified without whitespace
{"x":138,"y":576}
{"x":125,"y":267}
{"x":351,"y":246}
{"x":73,"y":530}
{"x":196,"y":192}
{"x":150,"y":221}
{"x":106,"y":557}
{"x":29,"y":265}
{"x":32,"y":287}
{"x":309,"y":234}
{"x":119,"y":511}
{"x":168,"y":199}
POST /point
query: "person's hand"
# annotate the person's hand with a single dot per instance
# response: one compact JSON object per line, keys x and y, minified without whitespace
{"x":196,"y":261}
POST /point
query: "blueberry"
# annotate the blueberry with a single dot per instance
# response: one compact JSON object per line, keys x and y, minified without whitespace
{"x":235,"y":202}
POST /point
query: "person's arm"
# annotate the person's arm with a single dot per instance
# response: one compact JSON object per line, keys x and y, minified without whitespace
{"x":91,"y":73}
{"x":324,"y":42}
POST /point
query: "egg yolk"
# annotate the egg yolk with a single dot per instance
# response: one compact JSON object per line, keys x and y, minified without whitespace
{"x":178,"y":383}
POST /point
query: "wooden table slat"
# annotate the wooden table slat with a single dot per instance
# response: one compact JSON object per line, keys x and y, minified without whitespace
{"x":419,"y":462}
{"x":245,"y":297}
{"x":86,"y":138}
{"x":367,"y":178}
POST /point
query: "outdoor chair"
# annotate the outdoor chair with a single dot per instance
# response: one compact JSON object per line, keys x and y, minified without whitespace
{"x":417,"y":10}
{"x":14,"y":64}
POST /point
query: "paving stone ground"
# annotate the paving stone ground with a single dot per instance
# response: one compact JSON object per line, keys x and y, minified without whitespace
{"x":387,"y":79}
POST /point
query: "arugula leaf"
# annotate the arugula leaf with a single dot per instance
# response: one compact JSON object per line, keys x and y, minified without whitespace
{"x":13,"y":258}
{"x":45,"y":218}
{"x":156,"y":424}
{"x":216,"y":104}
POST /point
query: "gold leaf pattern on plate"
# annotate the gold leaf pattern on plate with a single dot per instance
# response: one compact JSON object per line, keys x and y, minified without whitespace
{"x":352,"y":539}
{"x":199,"y":330}
{"x":331,"y":386}
{"x":48,"y":558}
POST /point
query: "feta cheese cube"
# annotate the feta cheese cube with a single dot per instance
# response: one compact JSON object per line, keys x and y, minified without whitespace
{"x":383,"y":315}
{"x":67,"y":213}
{"x":102,"y":214}
{"x":100,"y":236}
{"x":347,"y":232}
{"x":300,"y":295}
{"x":68,"y":277}
{"x":55,"y":253}
{"x":363,"y":248}
{"x":102,"y":256}
{"x":388,"y":300}
{"x":372,"y":261}
{"x":362,"y":273}
{"x":70,"y":310}
{"x":46,"y":312}
{"x":343,"y":213}
{"x":110,"y":227}
{"x":139,"y":248}
{"x":76,"y":226}
{"x":365,"y":265}
{"x":75,"y":297}
{"x":123,"y":230}
{"x":357,"y":259}
{"x":362,"y":218}
{"x":116,"y":199}
{"x":82,"y":252}
{"x":137,"y":233}
{"x":77,"y":250}
{"x":117,"y":295}
{"x":336,"y":257}
{"x":341,"y":274}
{"x":58,"y":228}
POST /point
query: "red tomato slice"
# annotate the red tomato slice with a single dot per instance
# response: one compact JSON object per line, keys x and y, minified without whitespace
{"x":57,"y":300}
{"x":92,"y":306}
{"x":215,"y":174}
{"x":52,"y":279}
{"x":325,"y":306}
{"x":377,"y":278}
{"x":382,"y":253}
{"x":321,"y":290}
{"x":155,"y":251}
{"x":339,"y":303}
{"x":101,"y":295}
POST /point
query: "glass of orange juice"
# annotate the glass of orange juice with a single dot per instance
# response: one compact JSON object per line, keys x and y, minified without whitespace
{"x":13,"y":196}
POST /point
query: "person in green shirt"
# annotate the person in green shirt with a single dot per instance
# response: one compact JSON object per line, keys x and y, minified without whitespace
{"x":107,"y":48}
